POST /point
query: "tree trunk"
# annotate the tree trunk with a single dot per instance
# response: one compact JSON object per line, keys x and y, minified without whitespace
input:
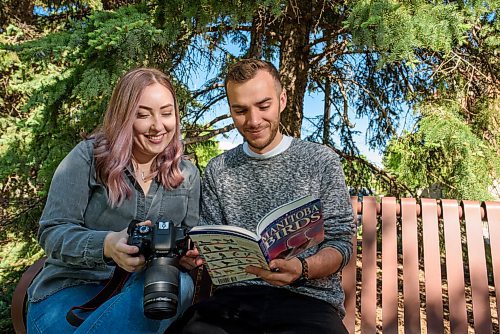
{"x":327,"y":113}
{"x":294,"y":65}
{"x":259,"y":23}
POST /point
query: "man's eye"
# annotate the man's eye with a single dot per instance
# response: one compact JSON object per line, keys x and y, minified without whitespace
{"x":264,"y":107}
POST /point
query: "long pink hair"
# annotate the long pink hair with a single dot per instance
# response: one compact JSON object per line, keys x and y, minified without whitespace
{"x":113,"y":147}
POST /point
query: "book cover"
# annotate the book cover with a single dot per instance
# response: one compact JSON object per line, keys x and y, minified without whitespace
{"x":284,"y":232}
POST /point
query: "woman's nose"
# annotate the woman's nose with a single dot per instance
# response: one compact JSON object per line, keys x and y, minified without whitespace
{"x":157,"y":123}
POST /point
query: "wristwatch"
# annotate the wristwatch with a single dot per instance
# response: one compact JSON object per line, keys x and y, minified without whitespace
{"x":304,"y":275}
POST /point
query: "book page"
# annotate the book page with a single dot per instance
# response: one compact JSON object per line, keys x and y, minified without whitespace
{"x":226,"y":256}
{"x":226,"y":229}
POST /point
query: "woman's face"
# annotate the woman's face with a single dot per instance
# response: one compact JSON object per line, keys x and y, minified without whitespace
{"x":154,"y":126}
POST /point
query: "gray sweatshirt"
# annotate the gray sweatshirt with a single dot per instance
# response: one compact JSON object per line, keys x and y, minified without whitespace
{"x":239,"y":190}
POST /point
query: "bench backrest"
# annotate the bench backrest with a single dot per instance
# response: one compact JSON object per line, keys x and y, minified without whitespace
{"x":396,"y":279}
{"x":441,"y":283}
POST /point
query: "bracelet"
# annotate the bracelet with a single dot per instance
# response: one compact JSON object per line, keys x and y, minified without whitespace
{"x":304,"y":275}
{"x":305,"y":269}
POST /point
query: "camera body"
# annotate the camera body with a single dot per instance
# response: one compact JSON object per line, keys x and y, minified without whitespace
{"x":163,"y":239}
{"x":161,"y":244}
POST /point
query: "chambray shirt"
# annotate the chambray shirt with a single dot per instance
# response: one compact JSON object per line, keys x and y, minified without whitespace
{"x":77,"y":217}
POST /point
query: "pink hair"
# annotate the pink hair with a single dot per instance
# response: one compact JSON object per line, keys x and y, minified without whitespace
{"x":113,"y":147}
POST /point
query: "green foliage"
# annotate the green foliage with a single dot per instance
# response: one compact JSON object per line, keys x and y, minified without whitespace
{"x":395,"y":29}
{"x":15,"y":256}
{"x":444,"y":152}
{"x":56,"y":76}
{"x":203,"y":152}
{"x":201,"y":14}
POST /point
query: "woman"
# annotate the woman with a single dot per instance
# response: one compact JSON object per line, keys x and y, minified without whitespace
{"x":130,"y":169}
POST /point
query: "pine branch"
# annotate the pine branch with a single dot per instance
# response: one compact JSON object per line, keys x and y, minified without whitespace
{"x":388,"y":178}
{"x":211,"y":134}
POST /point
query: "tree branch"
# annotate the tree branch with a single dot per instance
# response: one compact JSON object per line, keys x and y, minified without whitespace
{"x":211,"y":134}
{"x":373,"y":168}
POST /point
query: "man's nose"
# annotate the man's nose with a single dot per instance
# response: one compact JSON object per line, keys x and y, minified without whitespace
{"x":253,"y":118}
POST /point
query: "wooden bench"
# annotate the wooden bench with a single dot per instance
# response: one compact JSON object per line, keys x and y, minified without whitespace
{"x":423,"y":267}
{"x":399,"y":280}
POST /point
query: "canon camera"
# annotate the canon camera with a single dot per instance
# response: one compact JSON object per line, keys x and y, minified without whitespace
{"x":161,"y":244}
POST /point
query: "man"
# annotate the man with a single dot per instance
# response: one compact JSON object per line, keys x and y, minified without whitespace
{"x":300,"y":295}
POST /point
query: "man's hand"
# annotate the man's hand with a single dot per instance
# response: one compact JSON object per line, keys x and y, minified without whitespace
{"x":283,"y":272}
{"x":116,"y":248}
{"x":191,"y":260}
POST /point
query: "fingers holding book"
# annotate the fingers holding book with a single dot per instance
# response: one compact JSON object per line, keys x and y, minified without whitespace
{"x":191,"y":260}
{"x":283,"y":272}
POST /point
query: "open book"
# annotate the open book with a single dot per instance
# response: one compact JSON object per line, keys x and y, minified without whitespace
{"x":285,"y":232}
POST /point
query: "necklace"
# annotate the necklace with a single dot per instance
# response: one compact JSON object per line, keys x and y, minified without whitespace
{"x":139,"y":171}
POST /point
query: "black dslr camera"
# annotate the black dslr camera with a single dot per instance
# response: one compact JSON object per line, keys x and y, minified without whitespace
{"x":161,"y":244}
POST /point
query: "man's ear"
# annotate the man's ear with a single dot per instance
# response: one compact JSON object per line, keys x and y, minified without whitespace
{"x":283,"y":99}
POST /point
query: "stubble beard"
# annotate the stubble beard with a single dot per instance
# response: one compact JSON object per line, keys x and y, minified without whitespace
{"x":274,"y":127}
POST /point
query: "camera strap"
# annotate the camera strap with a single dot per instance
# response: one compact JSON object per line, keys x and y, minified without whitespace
{"x":112,"y":287}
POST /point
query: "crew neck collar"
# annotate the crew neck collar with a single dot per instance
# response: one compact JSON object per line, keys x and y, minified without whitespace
{"x":285,"y":143}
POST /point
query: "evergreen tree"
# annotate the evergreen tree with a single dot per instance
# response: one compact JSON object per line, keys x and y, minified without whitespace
{"x":373,"y":59}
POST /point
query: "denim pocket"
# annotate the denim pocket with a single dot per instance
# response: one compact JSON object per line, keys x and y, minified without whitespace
{"x":173,"y":206}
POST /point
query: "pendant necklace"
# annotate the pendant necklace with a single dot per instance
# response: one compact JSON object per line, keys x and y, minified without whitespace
{"x":137,"y":169}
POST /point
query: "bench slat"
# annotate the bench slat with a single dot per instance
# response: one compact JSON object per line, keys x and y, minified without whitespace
{"x":349,"y":277}
{"x":411,"y":291}
{"x":493,"y":216}
{"x":454,"y":266}
{"x":389,"y":266}
{"x":369,"y":266}
{"x":477,"y":267}
{"x":432,"y":267}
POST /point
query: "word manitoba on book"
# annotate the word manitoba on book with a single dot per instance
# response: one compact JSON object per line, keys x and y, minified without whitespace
{"x":285,"y":232}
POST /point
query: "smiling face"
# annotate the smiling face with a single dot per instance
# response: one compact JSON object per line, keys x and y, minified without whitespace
{"x":255,"y":107}
{"x":154,"y":126}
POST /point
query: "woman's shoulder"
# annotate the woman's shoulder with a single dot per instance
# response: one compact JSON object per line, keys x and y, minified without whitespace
{"x":82,"y":150}
{"x":188,"y":168}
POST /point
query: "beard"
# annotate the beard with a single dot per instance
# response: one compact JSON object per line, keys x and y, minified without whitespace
{"x":261,"y":143}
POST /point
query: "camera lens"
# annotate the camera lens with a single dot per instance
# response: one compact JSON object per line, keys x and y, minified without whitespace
{"x":161,"y":288}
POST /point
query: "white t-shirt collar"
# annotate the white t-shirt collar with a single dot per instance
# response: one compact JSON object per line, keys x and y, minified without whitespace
{"x":282,"y":146}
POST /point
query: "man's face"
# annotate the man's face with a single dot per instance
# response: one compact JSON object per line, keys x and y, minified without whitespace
{"x":255,"y":107}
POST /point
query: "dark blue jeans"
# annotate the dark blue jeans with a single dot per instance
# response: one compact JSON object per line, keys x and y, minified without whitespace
{"x":258,"y":310}
{"x":123,"y":313}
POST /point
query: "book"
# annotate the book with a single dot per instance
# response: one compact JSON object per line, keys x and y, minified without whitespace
{"x":284,"y":232}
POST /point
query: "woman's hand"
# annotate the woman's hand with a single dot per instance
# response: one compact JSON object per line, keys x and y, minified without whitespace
{"x":124,"y":255}
{"x":191,"y":260}
{"x":283,"y":272}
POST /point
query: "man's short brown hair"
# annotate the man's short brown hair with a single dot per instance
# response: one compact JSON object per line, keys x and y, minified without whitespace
{"x":246,"y":69}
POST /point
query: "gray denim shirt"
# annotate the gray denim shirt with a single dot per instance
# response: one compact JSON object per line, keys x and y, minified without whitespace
{"x":77,"y":218}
